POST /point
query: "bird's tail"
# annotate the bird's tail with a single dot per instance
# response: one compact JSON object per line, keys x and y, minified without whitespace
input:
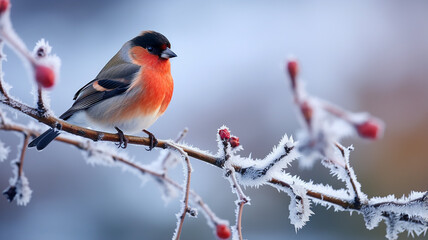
{"x":43,"y":140}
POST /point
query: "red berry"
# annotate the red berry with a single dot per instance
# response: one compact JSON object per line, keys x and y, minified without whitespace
{"x":45,"y":76}
{"x":369,"y":129}
{"x":307,"y":111}
{"x":293,"y":70}
{"x":4,"y":4}
{"x":224,"y":134}
{"x":234,"y":141}
{"x":223,"y":231}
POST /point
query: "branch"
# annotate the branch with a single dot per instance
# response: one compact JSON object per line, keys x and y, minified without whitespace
{"x":353,"y":185}
{"x":188,"y":168}
{"x":242,"y":199}
{"x":230,"y":145}
{"x":82,"y":145}
{"x":313,"y":191}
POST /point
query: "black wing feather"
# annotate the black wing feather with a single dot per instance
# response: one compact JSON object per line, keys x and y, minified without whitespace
{"x":43,"y":140}
{"x":111,"y":84}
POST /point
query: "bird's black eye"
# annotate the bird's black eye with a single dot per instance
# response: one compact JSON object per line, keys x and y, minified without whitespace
{"x":149,"y":48}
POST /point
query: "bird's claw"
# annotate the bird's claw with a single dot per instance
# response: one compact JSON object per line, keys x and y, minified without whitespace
{"x":123,"y":141}
{"x":153,"y":140}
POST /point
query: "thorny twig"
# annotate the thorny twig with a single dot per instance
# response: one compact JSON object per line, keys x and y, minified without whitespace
{"x":188,"y":168}
{"x":231,"y":176}
{"x":242,"y":200}
{"x":351,"y":178}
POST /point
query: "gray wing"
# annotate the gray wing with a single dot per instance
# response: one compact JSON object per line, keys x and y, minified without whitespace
{"x":114,"y":79}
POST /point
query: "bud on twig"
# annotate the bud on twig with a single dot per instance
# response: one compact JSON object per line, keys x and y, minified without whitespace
{"x":224,"y":134}
{"x":307,"y":112}
{"x":234,"y":141}
{"x":4,"y":5}
{"x":223,"y":231}
{"x":293,"y":70}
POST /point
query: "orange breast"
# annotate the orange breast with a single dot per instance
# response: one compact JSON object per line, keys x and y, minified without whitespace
{"x":155,"y":82}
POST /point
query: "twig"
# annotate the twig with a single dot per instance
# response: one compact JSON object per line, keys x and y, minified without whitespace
{"x":351,"y":178}
{"x":40,"y":104}
{"x":242,"y":200}
{"x":2,"y":119}
{"x":23,"y":150}
{"x":181,"y":135}
{"x":2,"y":90}
{"x":188,"y":168}
{"x":335,"y":110}
{"x":11,"y":37}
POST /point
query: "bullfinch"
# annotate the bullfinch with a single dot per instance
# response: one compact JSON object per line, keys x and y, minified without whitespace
{"x":128,"y":95}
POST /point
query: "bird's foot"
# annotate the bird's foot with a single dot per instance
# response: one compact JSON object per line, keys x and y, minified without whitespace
{"x":153,"y":140}
{"x":123,"y":141}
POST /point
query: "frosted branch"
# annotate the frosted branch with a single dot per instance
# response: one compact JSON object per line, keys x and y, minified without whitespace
{"x":108,"y":157}
{"x":323,"y":126}
{"x":242,"y":200}
{"x":19,"y":188}
{"x":185,"y":207}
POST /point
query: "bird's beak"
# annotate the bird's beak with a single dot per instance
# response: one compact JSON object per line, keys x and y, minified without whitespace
{"x":167,"y":53}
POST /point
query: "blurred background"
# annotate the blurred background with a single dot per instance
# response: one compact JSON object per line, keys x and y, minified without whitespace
{"x":366,"y":56}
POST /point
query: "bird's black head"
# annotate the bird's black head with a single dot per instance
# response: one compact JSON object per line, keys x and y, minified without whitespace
{"x":155,"y":43}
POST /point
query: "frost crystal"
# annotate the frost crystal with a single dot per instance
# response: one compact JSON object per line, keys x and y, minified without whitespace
{"x":396,"y":213}
{"x":23,"y":191}
{"x":4,"y":151}
{"x":42,"y":52}
{"x":42,"y":48}
{"x":99,"y":154}
{"x":300,"y":206}
{"x":6,"y":87}
{"x":372,"y":217}
{"x":19,"y":189}
{"x":256,"y":172}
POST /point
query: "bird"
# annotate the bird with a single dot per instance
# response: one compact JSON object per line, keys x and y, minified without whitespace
{"x":128,"y":95}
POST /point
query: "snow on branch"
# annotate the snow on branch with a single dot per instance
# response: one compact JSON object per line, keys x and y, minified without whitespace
{"x":323,"y":126}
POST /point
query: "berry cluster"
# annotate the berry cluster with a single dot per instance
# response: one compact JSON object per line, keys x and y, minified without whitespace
{"x":225,"y":137}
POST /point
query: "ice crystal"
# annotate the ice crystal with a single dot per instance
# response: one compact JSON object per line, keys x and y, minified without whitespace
{"x":4,"y":151}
